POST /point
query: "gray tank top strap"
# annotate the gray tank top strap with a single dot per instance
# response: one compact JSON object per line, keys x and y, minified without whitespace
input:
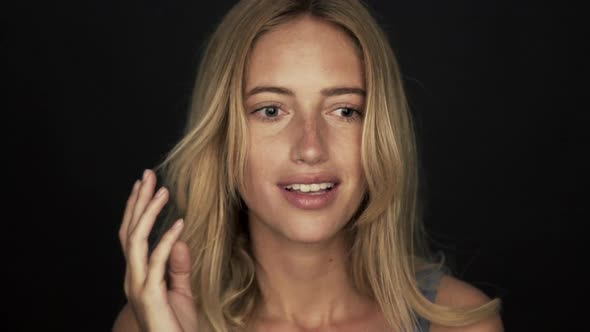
{"x":428,"y":281}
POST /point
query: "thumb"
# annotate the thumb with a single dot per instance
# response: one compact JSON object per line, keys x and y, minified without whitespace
{"x":179,"y":269}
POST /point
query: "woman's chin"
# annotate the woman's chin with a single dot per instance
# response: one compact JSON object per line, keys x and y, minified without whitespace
{"x":311,"y":233}
{"x":304,"y":229}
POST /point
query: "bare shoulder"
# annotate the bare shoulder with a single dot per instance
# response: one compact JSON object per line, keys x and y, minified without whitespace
{"x":456,"y":293}
{"x":126,"y":321}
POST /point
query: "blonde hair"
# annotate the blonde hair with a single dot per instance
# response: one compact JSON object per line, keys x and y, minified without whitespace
{"x":205,"y":174}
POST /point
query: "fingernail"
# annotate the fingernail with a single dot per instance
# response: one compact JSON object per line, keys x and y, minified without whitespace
{"x":178,"y":223}
{"x":135,"y":185}
{"x":145,"y":174}
{"x":160,"y":192}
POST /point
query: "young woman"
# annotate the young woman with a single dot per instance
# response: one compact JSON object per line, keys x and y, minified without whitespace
{"x":296,"y":184}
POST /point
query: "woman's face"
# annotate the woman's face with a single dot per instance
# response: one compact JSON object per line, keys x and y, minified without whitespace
{"x":304,"y":98}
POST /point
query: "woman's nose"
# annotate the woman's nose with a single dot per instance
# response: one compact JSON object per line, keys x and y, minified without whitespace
{"x":310,"y":145}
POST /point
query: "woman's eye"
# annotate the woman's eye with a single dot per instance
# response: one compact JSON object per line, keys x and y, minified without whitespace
{"x":271,"y":113}
{"x":268,"y":113}
{"x":349,"y":113}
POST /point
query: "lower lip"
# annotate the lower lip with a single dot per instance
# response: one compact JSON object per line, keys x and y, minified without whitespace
{"x":308,"y":201}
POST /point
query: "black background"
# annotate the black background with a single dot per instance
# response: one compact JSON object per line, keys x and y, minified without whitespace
{"x":97,"y":91}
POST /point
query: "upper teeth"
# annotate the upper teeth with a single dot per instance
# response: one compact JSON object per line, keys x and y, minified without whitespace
{"x":310,"y":187}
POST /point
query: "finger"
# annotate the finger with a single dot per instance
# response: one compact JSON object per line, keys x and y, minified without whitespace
{"x":179,"y":268}
{"x":157,"y":266}
{"x":127,"y":215}
{"x":137,"y":249}
{"x":146,"y":190}
{"x":126,"y":284}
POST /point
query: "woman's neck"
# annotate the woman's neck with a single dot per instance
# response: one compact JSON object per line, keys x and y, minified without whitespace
{"x":306,"y":285}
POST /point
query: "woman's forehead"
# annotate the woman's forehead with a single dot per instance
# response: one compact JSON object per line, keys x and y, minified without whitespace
{"x":306,"y":49}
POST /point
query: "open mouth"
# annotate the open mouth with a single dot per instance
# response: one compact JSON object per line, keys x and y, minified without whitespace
{"x":311,"y":189}
{"x":313,"y":199}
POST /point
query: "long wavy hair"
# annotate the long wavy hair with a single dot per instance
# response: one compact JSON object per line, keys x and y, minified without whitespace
{"x":205,"y":174}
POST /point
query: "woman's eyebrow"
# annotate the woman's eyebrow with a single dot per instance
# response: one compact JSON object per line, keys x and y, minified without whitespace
{"x":327,"y":92}
{"x":272,"y":89}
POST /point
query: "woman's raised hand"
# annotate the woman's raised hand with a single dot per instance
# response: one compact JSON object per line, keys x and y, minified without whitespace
{"x":156,"y":306}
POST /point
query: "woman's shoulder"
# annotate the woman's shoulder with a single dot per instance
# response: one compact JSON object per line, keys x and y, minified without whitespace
{"x":455,"y":293}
